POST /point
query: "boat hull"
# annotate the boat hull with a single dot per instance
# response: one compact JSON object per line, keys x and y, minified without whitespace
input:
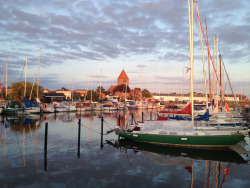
{"x":61,"y":109}
{"x":32,"y":110}
{"x":209,"y":141}
{"x":13,"y":110}
{"x":48,"y":110}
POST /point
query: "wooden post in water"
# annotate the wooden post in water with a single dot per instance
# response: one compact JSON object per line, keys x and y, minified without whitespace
{"x":151,"y":115}
{"x":132,"y":119}
{"x":45,"y":146}
{"x":79,"y":137}
{"x":102,"y":120}
{"x":119,"y":120}
{"x":142,"y":116}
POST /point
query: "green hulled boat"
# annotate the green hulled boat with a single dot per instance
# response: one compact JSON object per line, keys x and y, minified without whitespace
{"x":186,"y":139}
{"x":14,"y":107}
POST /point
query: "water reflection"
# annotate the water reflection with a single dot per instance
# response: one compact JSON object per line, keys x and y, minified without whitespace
{"x":22,"y":123}
{"x":224,"y":155}
{"x":217,"y":162}
{"x":25,"y":155}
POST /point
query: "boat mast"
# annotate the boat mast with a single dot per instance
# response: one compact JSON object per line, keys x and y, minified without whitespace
{"x":221,"y":82}
{"x":91,"y":90}
{"x":37,"y":92}
{"x":190,"y":16}
{"x":241,"y":89}
{"x":217,"y":63}
{"x":210,"y":87}
{"x":125,"y":92}
{"x":25,"y":78}
{"x":72,"y":90}
{"x":203,"y":61}
{"x":100,"y":85}
{"x":6,"y":92}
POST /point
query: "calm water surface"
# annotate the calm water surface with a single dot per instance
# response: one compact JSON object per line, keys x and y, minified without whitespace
{"x":108,"y":163}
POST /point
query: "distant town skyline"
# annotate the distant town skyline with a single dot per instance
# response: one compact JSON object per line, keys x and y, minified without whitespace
{"x":147,"y":38}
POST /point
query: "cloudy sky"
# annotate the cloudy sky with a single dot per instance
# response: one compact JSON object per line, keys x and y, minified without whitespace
{"x":84,"y":40}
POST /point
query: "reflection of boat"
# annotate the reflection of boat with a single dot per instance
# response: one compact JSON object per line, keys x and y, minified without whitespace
{"x":16,"y":123}
{"x":225,"y":155}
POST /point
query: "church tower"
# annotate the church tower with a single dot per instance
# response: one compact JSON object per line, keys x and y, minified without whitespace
{"x":123,"y":78}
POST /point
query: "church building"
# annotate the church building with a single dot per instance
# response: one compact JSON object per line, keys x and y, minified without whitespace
{"x":120,"y":88}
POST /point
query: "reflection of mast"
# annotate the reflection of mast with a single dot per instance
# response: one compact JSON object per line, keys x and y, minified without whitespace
{"x":4,"y":155}
{"x":36,"y":150}
{"x":23,"y":146}
{"x":90,"y":132}
{"x":192,"y":177}
{"x":99,"y":130}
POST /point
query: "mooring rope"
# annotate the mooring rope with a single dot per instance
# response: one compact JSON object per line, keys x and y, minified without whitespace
{"x":108,"y":124}
{"x":91,"y":129}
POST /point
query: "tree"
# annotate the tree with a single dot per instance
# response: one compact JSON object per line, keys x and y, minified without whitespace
{"x":95,"y":97}
{"x":17,"y":90}
{"x":146,"y":93}
{"x":63,"y":89}
{"x":98,"y":89}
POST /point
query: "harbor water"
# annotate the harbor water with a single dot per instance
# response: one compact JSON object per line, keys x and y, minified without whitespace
{"x":52,"y":150}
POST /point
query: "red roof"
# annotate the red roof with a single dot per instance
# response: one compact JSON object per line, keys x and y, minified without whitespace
{"x":112,"y":88}
{"x":123,"y":75}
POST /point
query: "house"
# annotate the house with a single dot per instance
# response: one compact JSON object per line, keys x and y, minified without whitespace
{"x":50,"y":97}
{"x":78,"y":93}
{"x":67,"y":93}
{"x":45,"y":90}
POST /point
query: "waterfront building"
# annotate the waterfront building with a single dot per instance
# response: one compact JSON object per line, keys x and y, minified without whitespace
{"x":120,"y":89}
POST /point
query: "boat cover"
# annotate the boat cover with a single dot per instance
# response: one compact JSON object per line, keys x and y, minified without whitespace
{"x":186,"y":110}
{"x":204,"y":117}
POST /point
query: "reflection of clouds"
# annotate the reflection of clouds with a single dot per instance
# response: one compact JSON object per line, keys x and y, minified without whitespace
{"x":167,"y":160}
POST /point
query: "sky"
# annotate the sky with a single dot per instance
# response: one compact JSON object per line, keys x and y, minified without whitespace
{"x":91,"y":41}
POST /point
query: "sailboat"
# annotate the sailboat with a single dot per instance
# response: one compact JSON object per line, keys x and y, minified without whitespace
{"x":13,"y":107}
{"x":183,"y":133}
{"x":29,"y":105}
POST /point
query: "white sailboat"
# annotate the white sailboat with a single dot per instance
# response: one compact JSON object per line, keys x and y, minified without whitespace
{"x":29,"y":105}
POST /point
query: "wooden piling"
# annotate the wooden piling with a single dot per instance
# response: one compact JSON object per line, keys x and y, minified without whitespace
{"x":45,"y":146}
{"x":102,"y":120}
{"x":79,"y":137}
